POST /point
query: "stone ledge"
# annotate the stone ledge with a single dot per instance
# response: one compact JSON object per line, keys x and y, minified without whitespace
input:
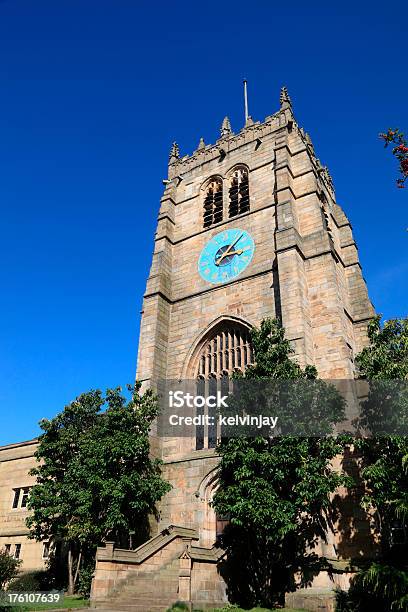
{"x":212,"y":555}
{"x":193,"y":456}
{"x":146,"y":550}
{"x":313,"y":600}
{"x":14,"y":532}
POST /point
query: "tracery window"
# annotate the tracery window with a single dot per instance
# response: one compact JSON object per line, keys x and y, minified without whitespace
{"x":213,"y":202}
{"x":228,"y":350}
{"x":238,"y":192}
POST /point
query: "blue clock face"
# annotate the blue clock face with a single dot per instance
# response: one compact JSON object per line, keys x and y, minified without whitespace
{"x":226,"y":255}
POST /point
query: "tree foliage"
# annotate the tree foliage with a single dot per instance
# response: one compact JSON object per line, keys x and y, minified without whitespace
{"x":275,"y":490}
{"x":385,"y":363}
{"x":386,"y":356}
{"x":8,"y":568}
{"x":95,"y":478}
{"x":400,"y":151}
{"x":383,"y":586}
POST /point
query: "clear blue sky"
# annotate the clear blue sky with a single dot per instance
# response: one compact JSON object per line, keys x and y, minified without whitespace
{"x":93,"y":92}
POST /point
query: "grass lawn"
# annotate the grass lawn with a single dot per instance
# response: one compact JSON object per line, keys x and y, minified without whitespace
{"x":69,"y":602}
{"x":261,"y":610}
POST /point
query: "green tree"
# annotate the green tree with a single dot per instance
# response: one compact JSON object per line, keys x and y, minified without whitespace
{"x":386,"y":356}
{"x":95,"y":478}
{"x":275,"y":490}
{"x":384,"y":362}
{"x":8,"y":568}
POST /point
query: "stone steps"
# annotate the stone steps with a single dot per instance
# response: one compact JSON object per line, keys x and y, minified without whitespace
{"x":134,"y":606}
{"x":139,"y":605}
{"x":145,"y":591}
{"x":164,"y":592}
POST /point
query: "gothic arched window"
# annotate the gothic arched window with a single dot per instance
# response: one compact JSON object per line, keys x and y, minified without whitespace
{"x":213,"y":202}
{"x":238,"y":192}
{"x":226,"y":350}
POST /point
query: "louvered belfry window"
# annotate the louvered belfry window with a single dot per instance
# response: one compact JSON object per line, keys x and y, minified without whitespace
{"x":213,"y":202}
{"x":227,"y":351}
{"x":238,"y":192}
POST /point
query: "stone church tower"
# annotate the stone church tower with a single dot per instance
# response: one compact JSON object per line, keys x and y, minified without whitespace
{"x":248,"y":228}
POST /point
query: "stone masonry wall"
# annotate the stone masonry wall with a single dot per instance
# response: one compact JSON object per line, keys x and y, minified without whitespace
{"x":305,"y":270}
{"x":16,"y":460}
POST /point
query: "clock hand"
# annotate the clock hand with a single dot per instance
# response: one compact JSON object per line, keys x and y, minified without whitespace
{"x":233,"y":244}
{"x":230,"y":253}
{"x":227,"y":252}
{"x":238,"y":252}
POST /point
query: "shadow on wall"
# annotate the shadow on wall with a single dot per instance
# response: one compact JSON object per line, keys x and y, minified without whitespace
{"x":356,"y":531}
{"x":256,"y":573}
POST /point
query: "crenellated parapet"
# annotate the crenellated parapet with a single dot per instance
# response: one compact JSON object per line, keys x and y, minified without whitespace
{"x":229,"y":142}
{"x":252,"y":132}
{"x":226,"y":144}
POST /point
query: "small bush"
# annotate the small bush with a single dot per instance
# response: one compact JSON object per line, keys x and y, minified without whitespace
{"x":30,"y":581}
{"x":378,"y":588}
{"x":179,"y":606}
{"x":85,"y":579}
{"x":8,"y":568}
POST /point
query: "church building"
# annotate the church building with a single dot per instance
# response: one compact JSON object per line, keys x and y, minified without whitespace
{"x":248,"y":228}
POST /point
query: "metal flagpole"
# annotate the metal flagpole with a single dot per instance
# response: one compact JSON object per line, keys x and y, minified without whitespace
{"x":246,"y":100}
